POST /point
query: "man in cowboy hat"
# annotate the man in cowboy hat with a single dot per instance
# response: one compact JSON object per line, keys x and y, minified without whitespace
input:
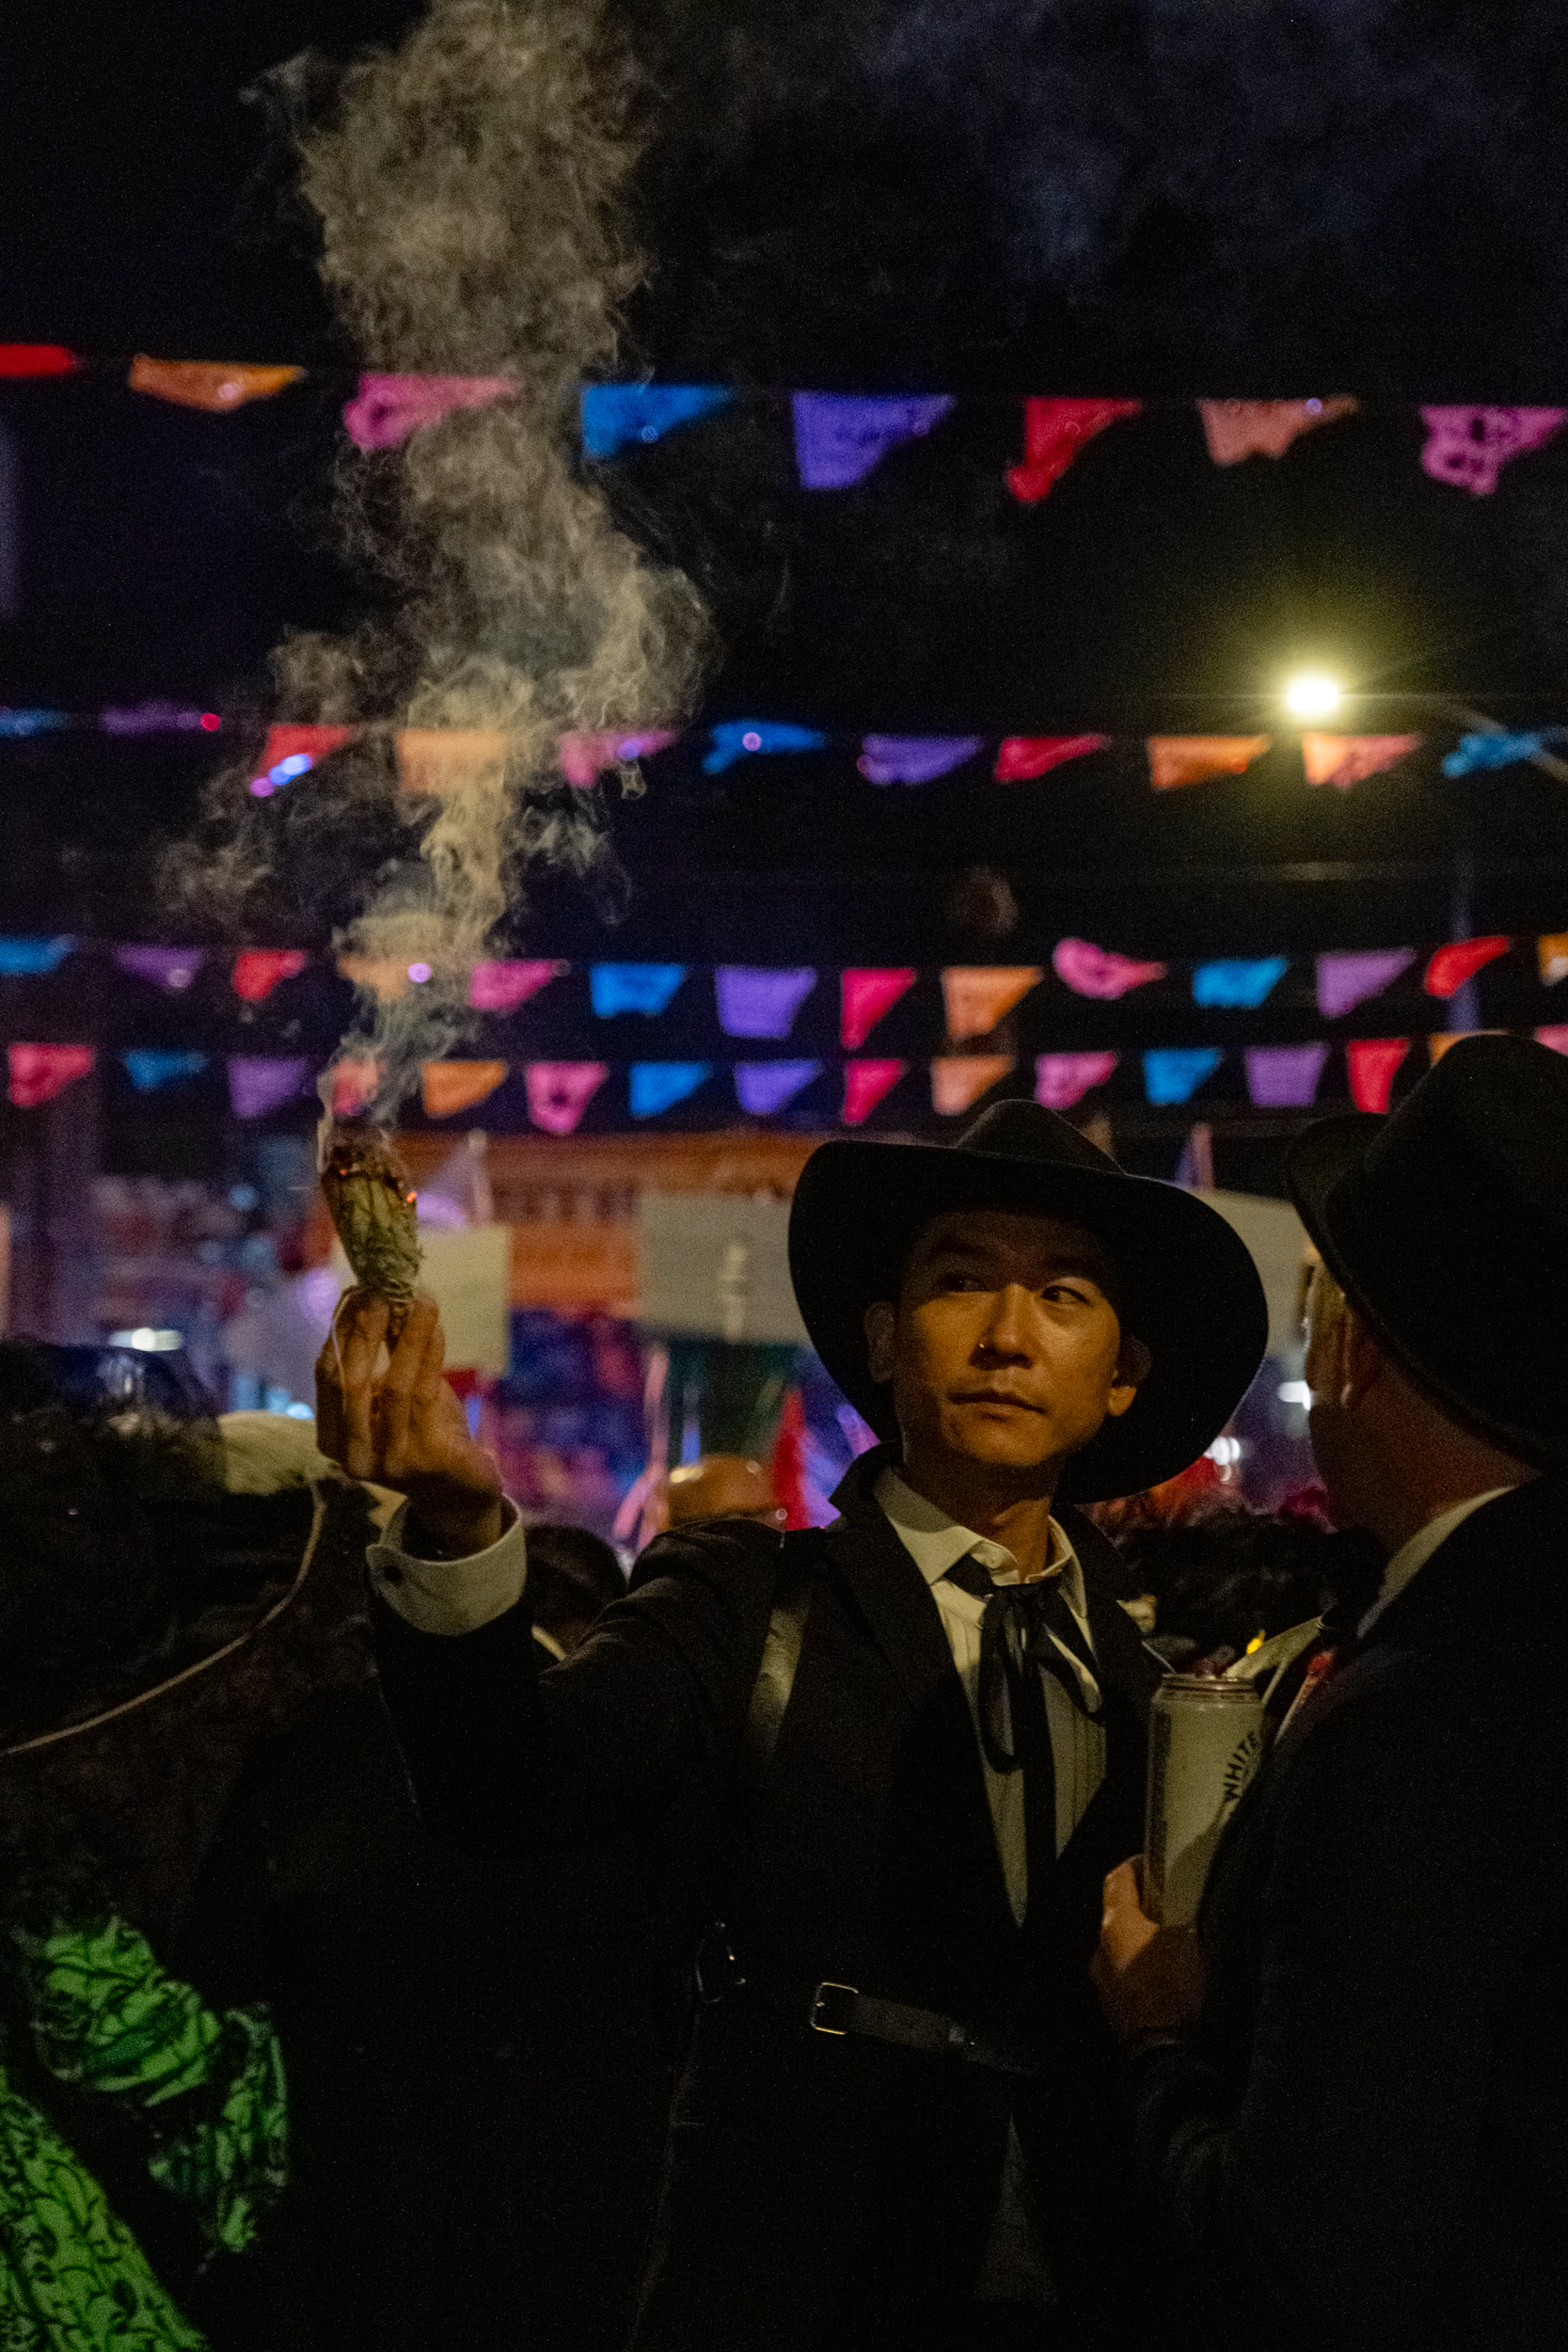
{"x":889,"y":1761}
{"x":1361,"y":2138}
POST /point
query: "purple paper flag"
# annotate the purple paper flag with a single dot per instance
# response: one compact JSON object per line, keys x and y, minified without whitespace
{"x":914,"y":758}
{"x":1063,"y":1079}
{"x":1283,"y":1077}
{"x":258,"y":1083}
{"x":1347,"y":980}
{"x":757,"y":1001}
{"x":761,"y":1087}
{"x":173,"y":968}
{"x":842,"y":437}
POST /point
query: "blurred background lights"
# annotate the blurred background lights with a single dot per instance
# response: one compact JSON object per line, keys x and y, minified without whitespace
{"x":151,"y":1342}
{"x":1312,"y":695}
{"x":418,"y":973}
{"x":1294,"y":1393}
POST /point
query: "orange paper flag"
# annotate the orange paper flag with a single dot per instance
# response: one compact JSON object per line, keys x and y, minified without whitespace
{"x":382,"y":976}
{"x":446,"y":759}
{"x":1552,"y":948}
{"x":959,"y":1080}
{"x":1235,"y":429}
{"x":1346,"y":759}
{"x":1177,"y":759}
{"x":978,"y":995}
{"x":450,"y":1087}
{"x":1438,"y":1043}
{"x":215,"y":384}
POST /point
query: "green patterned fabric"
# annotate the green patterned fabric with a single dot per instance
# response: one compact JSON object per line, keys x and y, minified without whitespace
{"x":105,"y":2018}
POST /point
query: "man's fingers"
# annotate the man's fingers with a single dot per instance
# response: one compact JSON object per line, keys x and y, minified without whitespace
{"x":359,"y":1328}
{"x":404,"y":1383}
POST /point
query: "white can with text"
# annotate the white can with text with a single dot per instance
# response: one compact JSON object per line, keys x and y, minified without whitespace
{"x":1205,"y":1742}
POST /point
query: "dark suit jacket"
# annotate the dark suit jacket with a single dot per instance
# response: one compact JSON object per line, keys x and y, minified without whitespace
{"x":1366,"y":2144}
{"x":819,"y":2190}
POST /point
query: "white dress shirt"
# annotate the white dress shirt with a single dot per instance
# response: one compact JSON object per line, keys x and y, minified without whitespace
{"x":936,"y":1542}
{"x":1413,"y":1556}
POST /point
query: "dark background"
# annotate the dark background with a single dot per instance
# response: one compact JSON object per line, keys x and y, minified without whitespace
{"x":1156,"y":200}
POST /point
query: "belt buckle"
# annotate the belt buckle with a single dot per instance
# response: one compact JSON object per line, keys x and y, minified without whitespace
{"x":824,"y":2007}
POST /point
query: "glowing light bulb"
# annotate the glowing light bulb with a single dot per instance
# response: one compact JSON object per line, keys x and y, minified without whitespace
{"x":1312,"y":695}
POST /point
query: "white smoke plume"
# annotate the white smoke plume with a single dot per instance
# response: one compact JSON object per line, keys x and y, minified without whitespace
{"x":469,"y":188}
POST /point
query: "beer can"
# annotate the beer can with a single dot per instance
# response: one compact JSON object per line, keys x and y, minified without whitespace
{"x":1205,"y":1742}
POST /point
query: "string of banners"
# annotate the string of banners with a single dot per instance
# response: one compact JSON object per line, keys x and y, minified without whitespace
{"x":840,"y":438}
{"x":434,"y":762}
{"x":557,"y":1093}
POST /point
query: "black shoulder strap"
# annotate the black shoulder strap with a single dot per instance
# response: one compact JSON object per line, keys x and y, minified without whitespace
{"x":781,"y":1656}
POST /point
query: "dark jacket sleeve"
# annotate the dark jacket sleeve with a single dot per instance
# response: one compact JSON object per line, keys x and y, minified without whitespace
{"x":502,"y":1754}
{"x":1315,"y":2164}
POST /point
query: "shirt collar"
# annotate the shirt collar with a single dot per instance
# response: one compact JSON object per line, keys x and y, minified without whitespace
{"x":1413,"y":1556}
{"x":936,"y":1542}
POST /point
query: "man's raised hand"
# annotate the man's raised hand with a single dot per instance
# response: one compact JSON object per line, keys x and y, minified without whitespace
{"x":407,"y":1428}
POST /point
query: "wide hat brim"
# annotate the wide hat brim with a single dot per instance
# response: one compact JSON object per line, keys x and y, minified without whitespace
{"x":1192,"y":1293}
{"x":1445,"y":1225}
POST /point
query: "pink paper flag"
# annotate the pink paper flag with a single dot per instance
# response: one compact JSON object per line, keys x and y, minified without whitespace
{"x":585,"y":755}
{"x":1063,"y":1079}
{"x":258,"y":970}
{"x":865,"y":1085}
{"x":39,"y":1073}
{"x":1371,"y":1063}
{"x":560,"y":1091}
{"x":1346,"y":759}
{"x":1235,"y":429}
{"x":959,"y":1080}
{"x":1054,"y":432}
{"x":389,"y":407}
{"x":1282,"y":1077}
{"x":978,"y":995}
{"x":1347,"y":980}
{"x":1452,"y":965}
{"x":1469,"y":447}
{"x":1022,"y":758}
{"x":349,"y":1087}
{"x":869,"y":991}
{"x":1090,"y":971}
{"x":259,"y":1083}
{"x":1554,"y":1036}
{"x":173,"y":968}
{"x":502,"y":987}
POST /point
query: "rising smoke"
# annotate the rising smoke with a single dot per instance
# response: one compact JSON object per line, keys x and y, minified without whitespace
{"x":468,"y":187}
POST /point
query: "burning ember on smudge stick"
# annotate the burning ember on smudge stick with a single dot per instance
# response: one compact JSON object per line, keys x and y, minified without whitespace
{"x":373,"y":1206}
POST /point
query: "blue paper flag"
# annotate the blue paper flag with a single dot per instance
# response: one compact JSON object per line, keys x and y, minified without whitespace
{"x":152,"y":1066}
{"x":21,"y":959}
{"x":632,"y":987}
{"x":658,"y":1086}
{"x":1497,"y":750}
{"x":732,"y":738}
{"x":618,"y":416}
{"x":21,"y":722}
{"x":1174,"y":1073}
{"x":1242,"y":982}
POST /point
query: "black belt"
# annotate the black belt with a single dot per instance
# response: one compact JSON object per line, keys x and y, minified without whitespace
{"x":835,"y":2008}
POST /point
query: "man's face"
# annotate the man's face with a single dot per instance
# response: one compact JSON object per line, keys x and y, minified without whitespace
{"x":1002,"y":1346}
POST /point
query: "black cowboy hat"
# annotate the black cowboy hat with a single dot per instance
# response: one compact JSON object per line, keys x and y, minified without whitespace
{"x":1192,"y":1292}
{"x":1446,"y":1224}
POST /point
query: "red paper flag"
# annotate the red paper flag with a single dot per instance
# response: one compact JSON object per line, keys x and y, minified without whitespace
{"x":1022,"y":758}
{"x":1371,"y":1062}
{"x":869,"y":991}
{"x":295,"y":742}
{"x":865,"y":1085}
{"x":39,"y":1073}
{"x":1451,"y":966}
{"x":258,"y":970}
{"x":788,"y":1466}
{"x":24,"y":359}
{"x":350,"y":1087}
{"x":1054,"y":432}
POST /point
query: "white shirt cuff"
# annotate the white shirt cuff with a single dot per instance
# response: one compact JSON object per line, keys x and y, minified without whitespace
{"x":450,"y":1595}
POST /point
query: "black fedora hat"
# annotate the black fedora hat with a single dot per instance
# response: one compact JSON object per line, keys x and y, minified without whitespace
{"x":1447,"y":1226}
{"x":1193,"y":1295}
